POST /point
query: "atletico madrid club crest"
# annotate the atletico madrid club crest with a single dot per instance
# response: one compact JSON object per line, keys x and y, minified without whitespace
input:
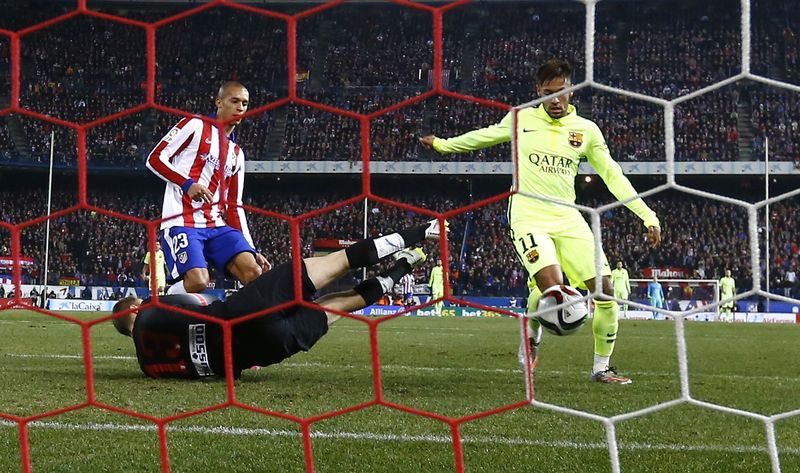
{"x":575,"y":139}
{"x":532,"y":256}
{"x":171,"y":135}
{"x":183,"y":257}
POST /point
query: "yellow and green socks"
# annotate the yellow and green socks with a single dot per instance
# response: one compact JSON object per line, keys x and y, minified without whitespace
{"x":535,"y":328}
{"x":604,"y":325}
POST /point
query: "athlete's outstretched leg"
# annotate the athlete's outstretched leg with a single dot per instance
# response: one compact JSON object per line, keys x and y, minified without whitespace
{"x":323,"y":270}
{"x":370,"y":290}
{"x":533,"y":331}
{"x":605,"y":326}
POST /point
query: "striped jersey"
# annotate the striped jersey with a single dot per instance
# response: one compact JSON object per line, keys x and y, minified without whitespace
{"x":190,"y":153}
{"x":407,"y":284}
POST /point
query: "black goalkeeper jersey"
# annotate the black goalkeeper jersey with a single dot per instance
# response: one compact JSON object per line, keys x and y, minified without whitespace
{"x":173,"y":345}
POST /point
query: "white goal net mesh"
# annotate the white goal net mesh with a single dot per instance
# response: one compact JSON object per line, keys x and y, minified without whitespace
{"x":752,"y":209}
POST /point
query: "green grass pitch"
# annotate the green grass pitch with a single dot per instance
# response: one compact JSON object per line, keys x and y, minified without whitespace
{"x":449,"y":366}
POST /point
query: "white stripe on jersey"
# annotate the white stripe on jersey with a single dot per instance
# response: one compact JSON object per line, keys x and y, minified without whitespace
{"x":407,"y":282}
{"x":173,"y":268}
{"x":191,"y":149}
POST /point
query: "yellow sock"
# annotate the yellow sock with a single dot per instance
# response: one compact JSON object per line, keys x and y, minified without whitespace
{"x":533,"y":302}
{"x":605,"y":325}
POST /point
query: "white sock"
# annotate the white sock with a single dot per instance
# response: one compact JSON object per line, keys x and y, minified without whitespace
{"x":177,"y":288}
{"x":389,"y":244}
{"x":600,"y":363}
{"x":536,"y":333}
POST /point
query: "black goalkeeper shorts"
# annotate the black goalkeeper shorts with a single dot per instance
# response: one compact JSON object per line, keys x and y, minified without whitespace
{"x":271,"y":338}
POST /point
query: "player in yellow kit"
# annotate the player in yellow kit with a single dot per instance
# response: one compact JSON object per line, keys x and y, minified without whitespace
{"x":622,"y":285}
{"x":436,"y":282}
{"x":551,"y":238}
{"x":727,"y":289}
{"x":159,"y":269}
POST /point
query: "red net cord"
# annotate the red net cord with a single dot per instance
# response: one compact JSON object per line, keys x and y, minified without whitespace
{"x":295,"y":222}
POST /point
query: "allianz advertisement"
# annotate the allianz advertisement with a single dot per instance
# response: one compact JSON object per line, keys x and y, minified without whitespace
{"x":383,"y":310}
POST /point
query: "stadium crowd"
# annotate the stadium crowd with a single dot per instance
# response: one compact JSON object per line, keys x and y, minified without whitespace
{"x":366,"y":66}
{"x":702,"y":237}
{"x":777,"y":117}
{"x":77,"y":71}
{"x":377,"y":45}
{"x":6,"y":147}
{"x":86,"y":68}
{"x":315,"y":134}
{"x":514,"y":43}
{"x":188,"y":74}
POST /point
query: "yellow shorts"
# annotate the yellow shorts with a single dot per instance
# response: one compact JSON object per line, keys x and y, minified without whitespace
{"x":567,"y":241}
{"x":726,"y":305}
{"x":623,"y":294}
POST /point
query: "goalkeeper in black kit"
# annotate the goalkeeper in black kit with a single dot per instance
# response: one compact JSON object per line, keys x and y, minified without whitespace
{"x":170,"y":344}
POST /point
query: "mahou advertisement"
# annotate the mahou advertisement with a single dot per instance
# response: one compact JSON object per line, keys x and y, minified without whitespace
{"x":670,"y":272}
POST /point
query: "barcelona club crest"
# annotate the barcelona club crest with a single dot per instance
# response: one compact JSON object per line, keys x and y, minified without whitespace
{"x":575,"y":139}
{"x":532,"y":256}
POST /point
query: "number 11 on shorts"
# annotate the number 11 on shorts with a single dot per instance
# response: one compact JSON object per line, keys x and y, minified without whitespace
{"x":523,"y":240}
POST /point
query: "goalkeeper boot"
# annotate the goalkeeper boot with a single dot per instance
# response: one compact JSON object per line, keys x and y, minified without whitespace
{"x":434,"y":232}
{"x":610,"y":376}
{"x":414,"y":256}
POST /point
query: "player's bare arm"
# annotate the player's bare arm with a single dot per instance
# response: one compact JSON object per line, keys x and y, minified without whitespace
{"x":654,"y":235}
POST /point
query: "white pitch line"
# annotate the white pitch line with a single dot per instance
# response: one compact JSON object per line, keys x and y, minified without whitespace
{"x":430,"y":369}
{"x":70,"y":357}
{"x":461,"y":331}
{"x":292,"y":365}
{"x":383,"y":330}
{"x":372,"y":436}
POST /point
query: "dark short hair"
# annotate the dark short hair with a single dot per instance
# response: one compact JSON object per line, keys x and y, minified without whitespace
{"x":553,"y":69}
{"x":121,"y":306}
{"x":223,"y":89}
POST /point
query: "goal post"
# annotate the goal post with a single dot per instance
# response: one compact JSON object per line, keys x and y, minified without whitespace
{"x":680,"y":294}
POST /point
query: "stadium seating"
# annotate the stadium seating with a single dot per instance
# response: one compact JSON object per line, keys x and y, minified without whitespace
{"x":703,"y":236}
{"x":379,"y":45}
{"x":776,"y":115}
{"x":6,"y":146}
{"x":367,"y":66}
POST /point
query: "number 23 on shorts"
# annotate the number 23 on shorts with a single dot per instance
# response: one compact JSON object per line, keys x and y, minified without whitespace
{"x":180,"y":241}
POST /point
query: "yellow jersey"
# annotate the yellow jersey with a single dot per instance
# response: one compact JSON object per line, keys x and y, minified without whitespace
{"x":549,"y":153}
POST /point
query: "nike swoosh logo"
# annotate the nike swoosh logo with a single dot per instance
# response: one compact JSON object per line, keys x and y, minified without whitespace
{"x":208,"y":141}
{"x":525,"y":130}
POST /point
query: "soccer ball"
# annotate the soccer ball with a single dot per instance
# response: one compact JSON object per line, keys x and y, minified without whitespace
{"x":564,"y":320}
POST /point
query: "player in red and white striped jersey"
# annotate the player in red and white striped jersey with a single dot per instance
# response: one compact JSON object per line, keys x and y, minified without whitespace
{"x":205,"y":221}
